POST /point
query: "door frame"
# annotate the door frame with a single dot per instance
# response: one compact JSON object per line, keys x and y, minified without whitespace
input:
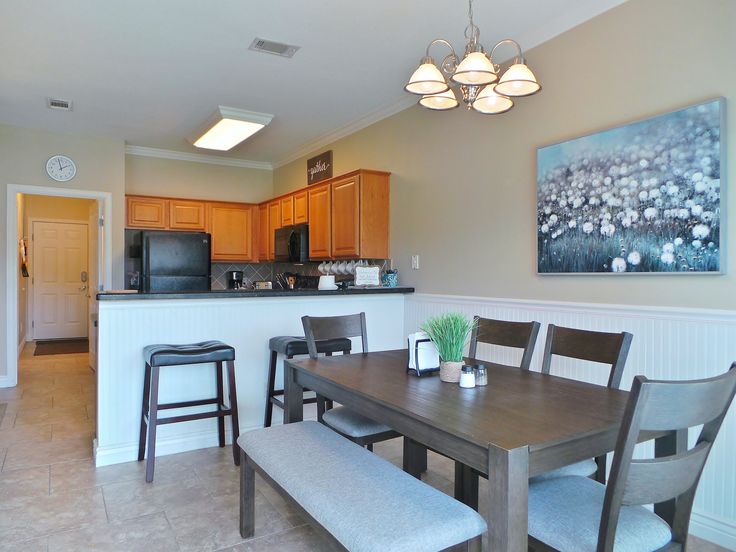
{"x":104,"y":252}
{"x":30,"y":330}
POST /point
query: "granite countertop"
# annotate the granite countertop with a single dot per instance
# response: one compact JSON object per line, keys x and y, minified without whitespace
{"x":235,"y":294}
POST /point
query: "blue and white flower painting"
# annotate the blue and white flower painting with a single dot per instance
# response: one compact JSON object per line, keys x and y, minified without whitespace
{"x":641,"y":198}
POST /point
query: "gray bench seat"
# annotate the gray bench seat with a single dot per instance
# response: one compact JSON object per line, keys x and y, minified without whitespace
{"x":362,"y":501}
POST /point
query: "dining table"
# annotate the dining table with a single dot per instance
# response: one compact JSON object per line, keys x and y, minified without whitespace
{"x":521,"y":424}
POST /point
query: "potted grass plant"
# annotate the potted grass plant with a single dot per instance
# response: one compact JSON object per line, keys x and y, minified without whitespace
{"x":449,"y":332}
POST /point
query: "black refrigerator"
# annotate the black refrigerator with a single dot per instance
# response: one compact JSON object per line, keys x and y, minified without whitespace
{"x":174,"y":261}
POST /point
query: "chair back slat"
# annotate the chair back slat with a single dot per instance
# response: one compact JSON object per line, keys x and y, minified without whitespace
{"x":334,"y":327}
{"x":602,"y":347}
{"x":656,"y":480}
{"x":520,"y":335}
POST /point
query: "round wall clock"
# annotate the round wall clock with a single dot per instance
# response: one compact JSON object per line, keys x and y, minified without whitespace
{"x":61,"y":168}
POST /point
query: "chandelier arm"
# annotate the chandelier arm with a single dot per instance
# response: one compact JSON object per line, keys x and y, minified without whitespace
{"x":441,"y":41}
{"x":511,"y":41}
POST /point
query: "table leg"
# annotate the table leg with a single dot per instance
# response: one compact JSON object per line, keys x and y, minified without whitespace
{"x":674,"y":442}
{"x":508,"y":499}
{"x":293,"y":396}
{"x":466,"y":485}
{"x":415,"y":458}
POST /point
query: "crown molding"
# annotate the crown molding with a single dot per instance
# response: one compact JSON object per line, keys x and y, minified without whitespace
{"x":346,"y":130}
{"x":143,"y":151}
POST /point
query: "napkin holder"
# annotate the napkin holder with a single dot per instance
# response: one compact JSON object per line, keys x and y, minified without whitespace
{"x":423,"y":357}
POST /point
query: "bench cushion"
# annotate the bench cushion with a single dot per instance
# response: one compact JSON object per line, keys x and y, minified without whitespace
{"x":364,"y":501}
{"x":565,"y":513}
{"x":352,"y":424}
{"x":294,"y":346}
{"x":585,"y":468}
{"x":190,"y":353}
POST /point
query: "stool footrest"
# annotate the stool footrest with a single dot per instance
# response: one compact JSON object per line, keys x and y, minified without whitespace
{"x":186,"y":404}
{"x":221,"y":412}
{"x":280,"y":403}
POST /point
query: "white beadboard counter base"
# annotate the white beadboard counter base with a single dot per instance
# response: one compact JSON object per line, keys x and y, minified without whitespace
{"x":125,"y":327}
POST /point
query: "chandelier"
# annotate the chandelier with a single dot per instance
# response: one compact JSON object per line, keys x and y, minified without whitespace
{"x":476,"y":76}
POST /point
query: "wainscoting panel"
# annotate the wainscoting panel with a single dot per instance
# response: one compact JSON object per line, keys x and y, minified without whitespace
{"x":668,"y":343}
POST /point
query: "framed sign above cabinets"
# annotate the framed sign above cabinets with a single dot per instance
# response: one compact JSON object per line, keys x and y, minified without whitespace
{"x":319,"y":167}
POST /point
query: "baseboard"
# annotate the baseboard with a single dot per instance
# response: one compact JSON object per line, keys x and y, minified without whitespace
{"x":7,"y":381}
{"x":719,"y":531}
{"x":105,"y":456}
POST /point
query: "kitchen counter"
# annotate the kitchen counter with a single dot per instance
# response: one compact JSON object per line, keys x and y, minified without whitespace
{"x":232,"y":293}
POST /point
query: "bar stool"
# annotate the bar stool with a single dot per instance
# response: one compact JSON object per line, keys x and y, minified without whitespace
{"x":291,"y":346}
{"x":205,"y":352}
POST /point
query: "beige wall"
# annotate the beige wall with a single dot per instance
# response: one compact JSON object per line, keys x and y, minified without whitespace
{"x":166,"y":177}
{"x":100,"y":167}
{"x":463,"y":185}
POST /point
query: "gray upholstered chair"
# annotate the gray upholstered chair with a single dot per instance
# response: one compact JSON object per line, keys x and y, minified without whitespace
{"x":356,"y":427}
{"x":610,"y":349}
{"x":579,"y":514}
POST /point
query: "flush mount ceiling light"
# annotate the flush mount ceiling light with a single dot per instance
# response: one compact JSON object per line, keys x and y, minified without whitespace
{"x":228,"y":127}
{"x":476,"y":76}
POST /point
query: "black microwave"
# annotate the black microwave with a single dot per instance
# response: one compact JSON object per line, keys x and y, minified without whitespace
{"x":291,"y":244}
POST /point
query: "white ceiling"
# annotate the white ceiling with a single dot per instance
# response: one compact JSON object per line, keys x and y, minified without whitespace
{"x":151,"y":72}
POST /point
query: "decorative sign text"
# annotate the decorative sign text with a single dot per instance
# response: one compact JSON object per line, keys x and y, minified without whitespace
{"x":319,"y":168}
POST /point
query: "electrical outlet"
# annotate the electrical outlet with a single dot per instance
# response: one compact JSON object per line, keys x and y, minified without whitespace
{"x":415,"y":262}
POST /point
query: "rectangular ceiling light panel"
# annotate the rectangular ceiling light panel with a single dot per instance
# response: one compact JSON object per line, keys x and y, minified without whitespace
{"x":228,"y":127}
{"x":271,"y":47}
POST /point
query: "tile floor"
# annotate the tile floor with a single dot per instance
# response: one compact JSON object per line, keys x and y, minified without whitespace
{"x":52,"y":498}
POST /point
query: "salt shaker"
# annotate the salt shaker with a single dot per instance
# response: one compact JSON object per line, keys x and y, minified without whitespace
{"x":467,"y":377}
{"x":481,"y":375}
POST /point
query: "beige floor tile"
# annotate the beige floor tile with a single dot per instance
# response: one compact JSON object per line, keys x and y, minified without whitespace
{"x":19,"y":485}
{"x":7,"y":421}
{"x":24,"y":455}
{"x":34,"y":545}
{"x":50,"y":415}
{"x":10,"y":393}
{"x":212,"y":523}
{"x":298,"y":539}
{"x":50,"y":514}
{"x":25,"y":434}
{"x":70,"y":429}
{"x":147,"y":533}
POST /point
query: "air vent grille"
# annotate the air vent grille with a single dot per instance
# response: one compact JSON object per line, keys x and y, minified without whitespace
{"x":271,"y":47}
{"x":58,"y":103}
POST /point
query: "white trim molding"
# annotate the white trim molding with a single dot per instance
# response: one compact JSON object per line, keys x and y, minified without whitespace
{"x":669,"y":343}
{"x":143,"y":151}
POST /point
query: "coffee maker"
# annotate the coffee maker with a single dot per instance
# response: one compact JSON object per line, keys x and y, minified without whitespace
{"x":234,"y":279}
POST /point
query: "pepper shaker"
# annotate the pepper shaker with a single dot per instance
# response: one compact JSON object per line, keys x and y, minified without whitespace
{"x":467,"y":377}
{"x":481,"y":375}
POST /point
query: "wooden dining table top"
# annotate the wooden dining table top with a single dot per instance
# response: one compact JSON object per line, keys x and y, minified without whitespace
{"x":517,"y":408}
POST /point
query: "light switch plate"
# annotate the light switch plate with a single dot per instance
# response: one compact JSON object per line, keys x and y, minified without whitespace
{"x":415,"y":262}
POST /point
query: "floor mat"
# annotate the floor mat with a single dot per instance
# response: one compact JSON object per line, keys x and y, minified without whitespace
{"x":61,"y":347}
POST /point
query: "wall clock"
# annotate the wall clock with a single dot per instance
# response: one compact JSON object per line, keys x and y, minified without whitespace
{"x":61,"y":168}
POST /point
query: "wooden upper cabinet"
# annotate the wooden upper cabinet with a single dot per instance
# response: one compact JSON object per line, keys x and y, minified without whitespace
{"x":232,"y":228}
{"x":375,"y":189}
{"x":147,"y":212}
{"x":263,"y":232}
{"x":274,"y":223}
{"x":287,"y":211}
{"x":320,"y":222}
{"x":187,"y":215}
{"x":301,"y":207}
{"x":346,"y":217}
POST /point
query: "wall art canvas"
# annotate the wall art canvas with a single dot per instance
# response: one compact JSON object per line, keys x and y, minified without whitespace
{"x":647,"y":197}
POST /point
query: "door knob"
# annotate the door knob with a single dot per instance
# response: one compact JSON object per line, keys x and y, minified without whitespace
{"x":83,"y":288}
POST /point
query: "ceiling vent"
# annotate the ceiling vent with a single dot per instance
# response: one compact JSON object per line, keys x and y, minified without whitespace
{"x":58,"y":103}
{"x":271,"y":47}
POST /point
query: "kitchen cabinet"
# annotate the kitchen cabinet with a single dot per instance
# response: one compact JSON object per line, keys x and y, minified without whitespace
{"x":301,"y":207}
{"x":320,"y":222}
{"x":232,"y":228}
{"x":263,"y":232}
{"x":287,"y":210}
{"x":147,"y":212}
{"x":274,"y":223}
{"x":346,"y":217}
{"x":186,"y":214}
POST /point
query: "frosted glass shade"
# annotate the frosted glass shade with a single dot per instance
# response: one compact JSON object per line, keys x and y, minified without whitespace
{"x":490,"y":103}
{"x":518,"y":80}
{"x":440,"y":102}
{"x":475,"y":70}
{"x":427,"y":79}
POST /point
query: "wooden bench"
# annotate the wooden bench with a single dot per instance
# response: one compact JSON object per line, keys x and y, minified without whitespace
{"x":356,"y":500}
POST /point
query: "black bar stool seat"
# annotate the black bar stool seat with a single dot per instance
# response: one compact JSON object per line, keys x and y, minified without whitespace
{"x":205,"y":352}
{"x":291,"y":346}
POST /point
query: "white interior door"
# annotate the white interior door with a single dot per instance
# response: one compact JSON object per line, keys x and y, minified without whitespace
{"x":60,"y":280}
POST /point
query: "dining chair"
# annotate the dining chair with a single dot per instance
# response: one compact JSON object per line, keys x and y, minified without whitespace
{"x":577,"y":513}
{"x":519,"y":335}
{"x":356,"y":427}
{"x":610,"y":349}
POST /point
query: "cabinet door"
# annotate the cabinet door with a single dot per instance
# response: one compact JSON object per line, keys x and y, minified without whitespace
{"x":263,"y":232}
{"x":346,"y":217}
{"x":274,"y":223}
{"x":187,"y":215}
{"x":231,"y":226}
{"x":146,"y":212}
{"x":320,"y":222}
{"x":301,"y":211}
{"x":287,"y":211}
